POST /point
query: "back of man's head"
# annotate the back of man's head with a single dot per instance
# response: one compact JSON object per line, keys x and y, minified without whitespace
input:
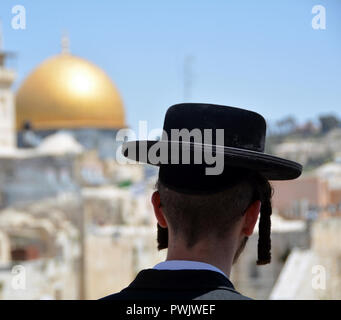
{"x":196,"y":217}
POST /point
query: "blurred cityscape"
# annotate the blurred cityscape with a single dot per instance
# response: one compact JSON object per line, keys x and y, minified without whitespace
{"x":75,"y":224}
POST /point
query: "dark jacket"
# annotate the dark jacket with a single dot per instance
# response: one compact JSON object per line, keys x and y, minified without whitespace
{"x":151,"y":284}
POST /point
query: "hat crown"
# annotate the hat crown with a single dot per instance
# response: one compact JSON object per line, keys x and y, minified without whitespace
{"x":243,"y":129}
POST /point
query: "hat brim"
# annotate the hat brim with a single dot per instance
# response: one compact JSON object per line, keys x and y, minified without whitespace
{"x":271,"y":167}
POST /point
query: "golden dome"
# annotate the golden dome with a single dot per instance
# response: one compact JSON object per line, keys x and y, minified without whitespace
{"x":68,"y":92}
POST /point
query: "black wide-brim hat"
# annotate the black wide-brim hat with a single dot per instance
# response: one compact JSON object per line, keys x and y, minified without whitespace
{"x":243,"y":133}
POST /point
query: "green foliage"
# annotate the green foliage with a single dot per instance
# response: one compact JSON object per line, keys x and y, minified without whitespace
{"x":124,"y":184}
{"x":328,"y":122}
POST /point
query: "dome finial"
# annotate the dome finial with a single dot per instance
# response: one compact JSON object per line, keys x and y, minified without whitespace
{"x":65,"y":43}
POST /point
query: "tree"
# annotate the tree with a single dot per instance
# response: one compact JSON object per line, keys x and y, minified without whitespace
{"x":287,"y":125}
{"x":328,"y":122}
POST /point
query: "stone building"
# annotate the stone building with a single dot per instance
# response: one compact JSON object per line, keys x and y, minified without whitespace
{"x":7,"y":104}
{"x":112,"y":233}
{"x":257,"y":281}
{"x":119,"y":238}
{"x":31,"y":175}
{"x":114,"y":256}
{"x":311,"y":150}
{"x":38,"y":256}
{"x":294,"y":198}
{"x":314,"y":273}
{"x":317,"y":193}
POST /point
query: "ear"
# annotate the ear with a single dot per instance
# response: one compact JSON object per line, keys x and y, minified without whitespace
{"x":250,"y":218}
{"x":157,"y":210}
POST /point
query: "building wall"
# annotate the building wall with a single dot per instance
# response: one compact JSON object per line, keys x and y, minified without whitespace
{"x":5,"y":256}
{"x":38,"y":256}
{"x":257,"y":281}
{"x":7,"y":108}
{"x":314,"y":273}
{"x":335,"y":198}
{"x":114,"y":256}
{"x":31,"y":178}
{"x":287,"y":194}
{"x":39,"y":279}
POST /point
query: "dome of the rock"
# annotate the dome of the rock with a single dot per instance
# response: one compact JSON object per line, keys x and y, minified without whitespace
{"x":68,"y":92}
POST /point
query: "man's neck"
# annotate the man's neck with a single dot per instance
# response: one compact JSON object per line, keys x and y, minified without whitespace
{"x":205,"y":251}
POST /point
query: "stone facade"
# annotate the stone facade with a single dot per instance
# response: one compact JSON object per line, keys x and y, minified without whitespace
{"x":314,"y":273}
{"x":257,"y":281}
{"x":115,"y":255}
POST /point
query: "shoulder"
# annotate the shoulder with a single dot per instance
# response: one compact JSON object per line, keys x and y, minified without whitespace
{"x":216,"y":294}
{"x":222,"y":294}
{"x":153,"y":284}
{"x":138,"y":295}
{"x":114,"y":296}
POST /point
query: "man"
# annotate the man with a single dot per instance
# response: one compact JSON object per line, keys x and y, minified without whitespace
{"x":205,"y":219}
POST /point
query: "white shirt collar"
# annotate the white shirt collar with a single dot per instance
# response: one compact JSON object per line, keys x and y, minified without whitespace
{"x":186,"y":265}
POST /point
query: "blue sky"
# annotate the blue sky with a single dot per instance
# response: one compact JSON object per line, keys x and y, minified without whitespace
{"x":261,"y":55}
